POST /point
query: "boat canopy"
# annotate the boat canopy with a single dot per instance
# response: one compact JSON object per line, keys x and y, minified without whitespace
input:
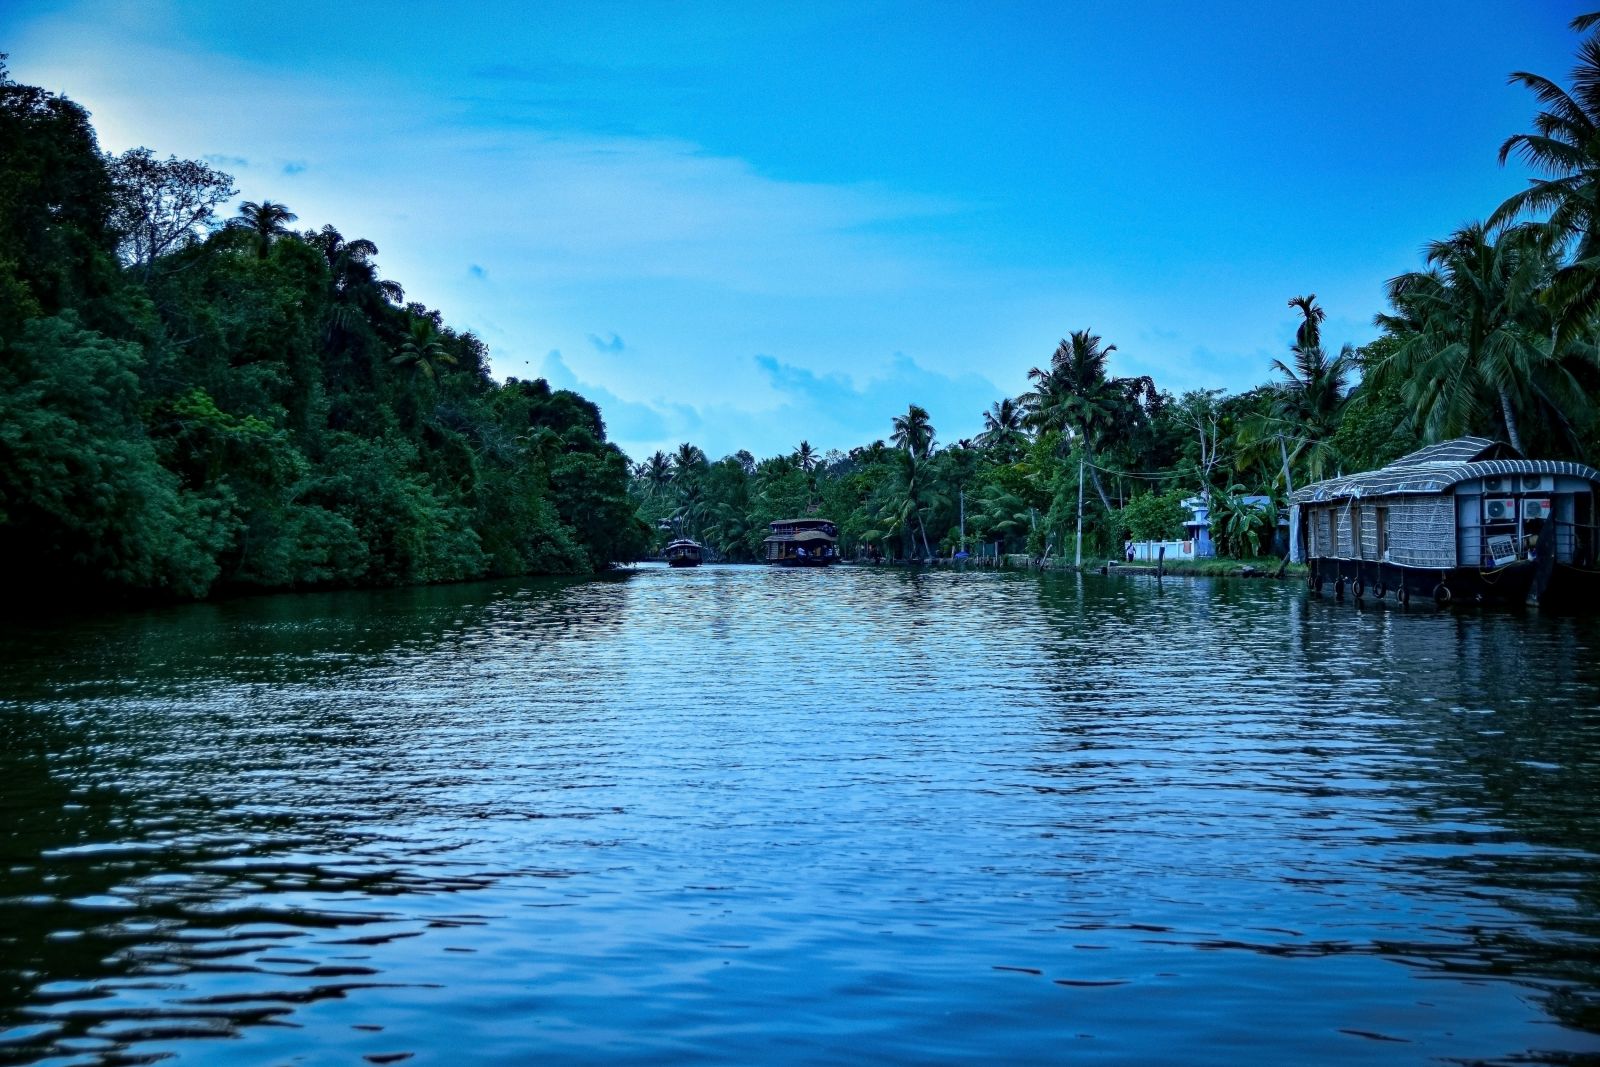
{"x":1438,"y":467}
{"x":804,"y":537}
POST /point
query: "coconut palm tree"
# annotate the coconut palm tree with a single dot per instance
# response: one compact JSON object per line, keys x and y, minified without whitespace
{"x":1076,"y":398}
{"x":268,"y":220}
{"x":907,"y":497}
{"x":1002,"y":428}
{"x":354,"y":285}
{"x":806,"y":456}
{"x":1564,"y":148}
{"x":423,"y":350}
{"x":657,"y":473}
{"x":688,"y":461}
{"x":1473,"y":338}
{"x":913,"y":432}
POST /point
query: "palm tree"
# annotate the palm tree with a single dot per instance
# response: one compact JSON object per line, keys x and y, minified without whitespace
{"x":733,"y":531}
{"x":913,"y":432}
{"x":1472,"y":334}
{"x":1002,"y":428}
{"x":908,"y":497}
{"x":268,"y":220}
{"x":1308,"y":402}
{"x":423,"y":350}
{"x":1565,"y":148}
{"x":1076,"y":398}
{"x":806,"y":456}
{"x":354,"y":282}
{"x":687,"y":462}
{"x":657,"y":473}
{"x":693,"y":508}
{"x":1309,"y":334}
{"x":999,"y":514}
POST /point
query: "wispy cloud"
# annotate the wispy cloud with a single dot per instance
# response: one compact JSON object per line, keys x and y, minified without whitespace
{"x":607,"y":344}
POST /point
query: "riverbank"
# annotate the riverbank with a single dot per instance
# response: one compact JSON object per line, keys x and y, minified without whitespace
{"x":1218,"y":567}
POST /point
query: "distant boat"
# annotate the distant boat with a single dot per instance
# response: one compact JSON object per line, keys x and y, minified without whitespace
{"x":683,"y":553}
{"x":803,"y":543}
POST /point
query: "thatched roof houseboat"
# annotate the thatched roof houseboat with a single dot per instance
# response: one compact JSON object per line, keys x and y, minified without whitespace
{"x":684,"y":552}
{"x":1468,"y":519}
{"x":803,"y":543}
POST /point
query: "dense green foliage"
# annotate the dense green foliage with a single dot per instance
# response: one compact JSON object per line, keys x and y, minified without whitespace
{"x":1496,"y":336}
{"x":190,"y":405}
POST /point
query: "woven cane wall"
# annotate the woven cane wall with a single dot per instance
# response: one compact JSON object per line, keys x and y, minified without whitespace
{"x":1422,"y":531}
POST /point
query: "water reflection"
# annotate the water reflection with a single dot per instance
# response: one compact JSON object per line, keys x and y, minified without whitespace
{"x":766,"y":815}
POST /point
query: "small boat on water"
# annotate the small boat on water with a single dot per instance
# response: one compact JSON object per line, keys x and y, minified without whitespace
{"x":803,"y":543}
{"x":683,"y":553}
{"x":1463,"y":520}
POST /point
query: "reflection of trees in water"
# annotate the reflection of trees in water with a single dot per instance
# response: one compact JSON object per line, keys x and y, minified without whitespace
{"x":278,"y":638}
{"x":179,"y":786}
{"x":1467,"y":745}
{"x":1508,"y":790}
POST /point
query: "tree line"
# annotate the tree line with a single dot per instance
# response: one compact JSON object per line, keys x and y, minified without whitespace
{"x":1495,"y":335}
{"x":192,"y":404}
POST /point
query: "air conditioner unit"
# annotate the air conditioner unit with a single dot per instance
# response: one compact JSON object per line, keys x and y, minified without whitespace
{"x":1535,"y":508}
{"x":1498,"y":483}
{"x":1536,"y":483}
{"x":1499,"y":509}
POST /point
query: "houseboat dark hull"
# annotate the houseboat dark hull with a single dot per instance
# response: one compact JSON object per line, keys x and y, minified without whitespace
{"x":1563,"y":588}
{"x":808,"y":561}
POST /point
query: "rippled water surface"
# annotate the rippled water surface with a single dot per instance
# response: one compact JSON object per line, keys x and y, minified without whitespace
{"x":751,"y":816}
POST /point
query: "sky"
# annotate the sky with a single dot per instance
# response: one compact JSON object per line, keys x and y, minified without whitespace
{"x":744,"y":225}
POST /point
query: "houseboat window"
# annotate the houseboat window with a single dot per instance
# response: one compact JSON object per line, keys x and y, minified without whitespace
{"x":1381,"y":529}
{"x":1357,"y":548}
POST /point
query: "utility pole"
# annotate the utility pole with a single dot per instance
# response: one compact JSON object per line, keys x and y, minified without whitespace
{"x":963,"y":496}
{"x":1079,"y":563}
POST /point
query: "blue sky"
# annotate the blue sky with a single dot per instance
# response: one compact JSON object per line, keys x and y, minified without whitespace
{"x":743,"y":225}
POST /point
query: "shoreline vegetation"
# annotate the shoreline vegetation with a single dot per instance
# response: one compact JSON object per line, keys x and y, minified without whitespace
{"x":194,"y":405}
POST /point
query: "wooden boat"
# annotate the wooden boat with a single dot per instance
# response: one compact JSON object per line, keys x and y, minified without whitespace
{"x":1464,"y":520}
{"x":803,"y":543}
{"x":683,"y":553}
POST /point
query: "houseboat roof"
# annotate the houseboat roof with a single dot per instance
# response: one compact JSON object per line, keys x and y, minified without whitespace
{"x":801,"y":522}
{"x":1437,"y":468}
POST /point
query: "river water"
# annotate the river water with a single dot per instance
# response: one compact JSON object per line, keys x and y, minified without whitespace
{"x":742,"y":815}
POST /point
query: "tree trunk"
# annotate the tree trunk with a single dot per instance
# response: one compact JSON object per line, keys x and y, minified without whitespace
{"x":927,"y":552}
{"x":1511,"y":420}
{"x":1094,"y":476}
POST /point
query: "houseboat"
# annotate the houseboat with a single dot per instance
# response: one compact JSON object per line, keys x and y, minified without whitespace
{"x":1468,"y":520}
{"x":803,"y":543}
{"x":683,"y":553}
